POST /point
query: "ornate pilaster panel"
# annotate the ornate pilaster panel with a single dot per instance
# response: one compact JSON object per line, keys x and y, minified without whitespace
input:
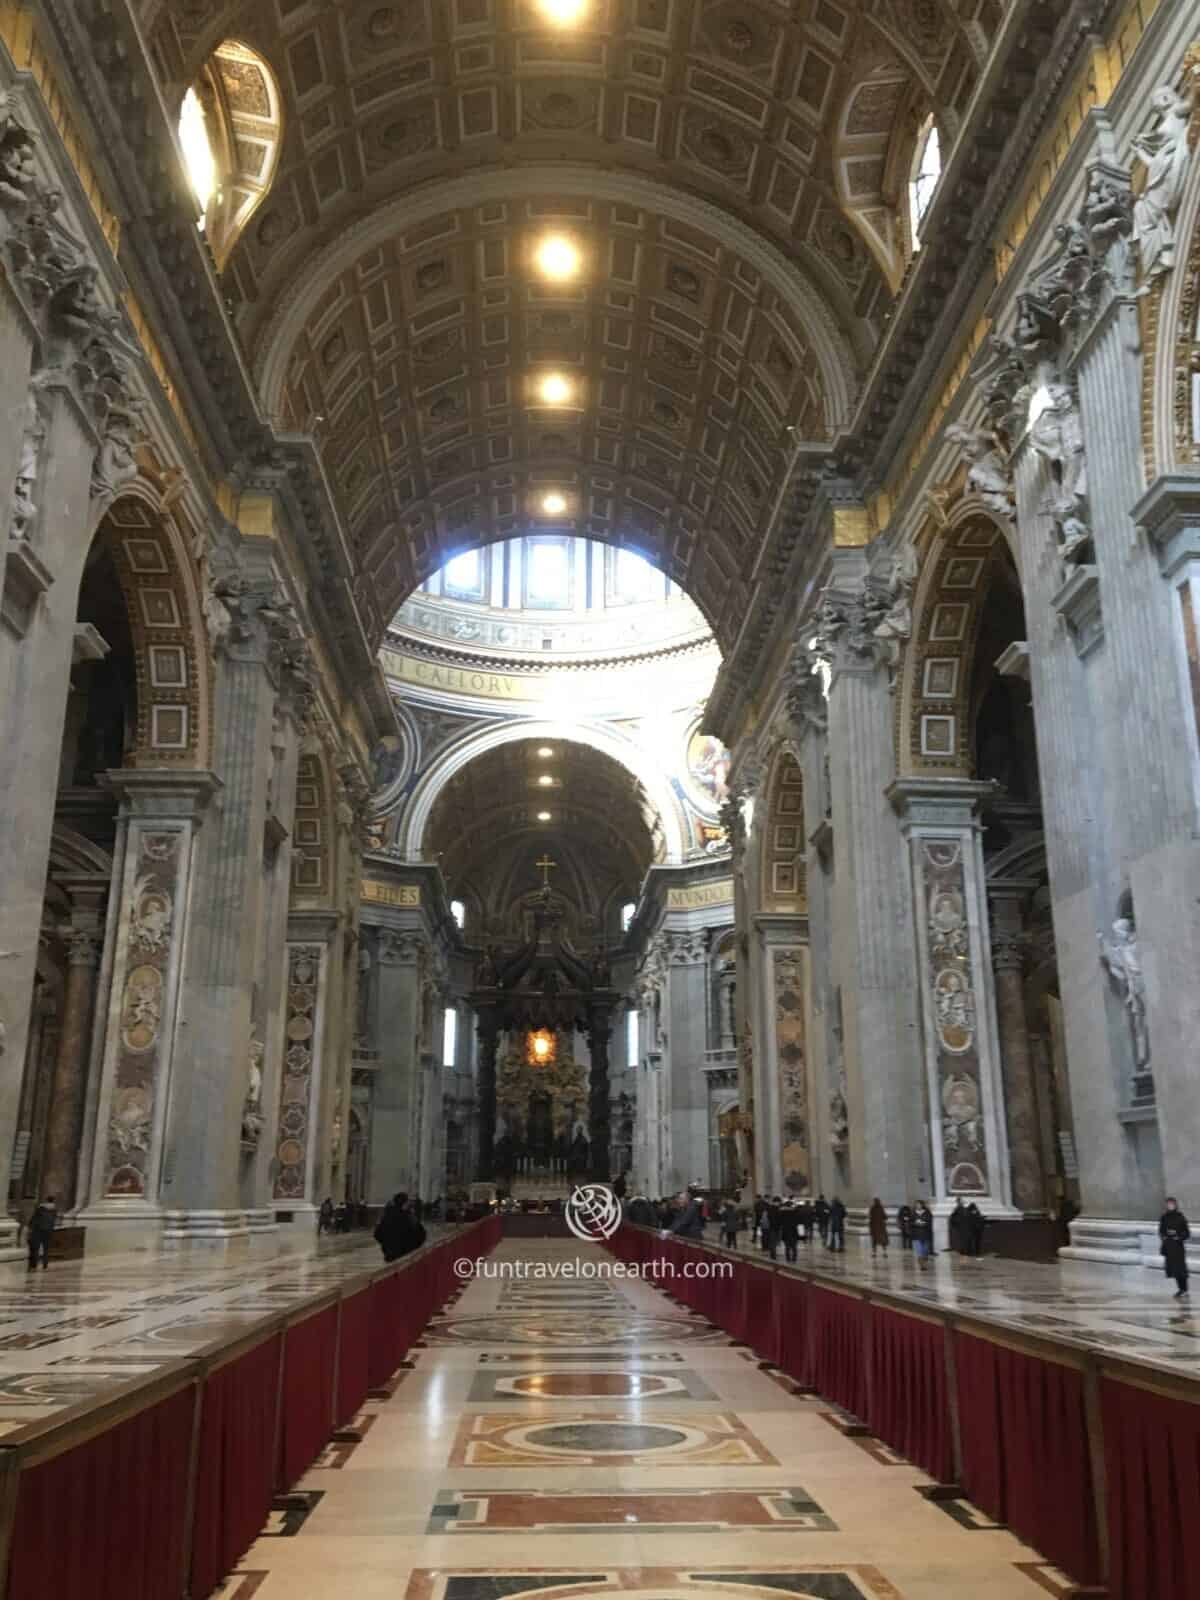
{"x":159,"y":817}
{"x":299,"y":1082}
{"x":788,"y":986}
{"x":965,"y":1092}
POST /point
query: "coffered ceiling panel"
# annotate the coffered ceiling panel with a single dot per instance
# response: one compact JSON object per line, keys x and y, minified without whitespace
{"x":411,"y":354}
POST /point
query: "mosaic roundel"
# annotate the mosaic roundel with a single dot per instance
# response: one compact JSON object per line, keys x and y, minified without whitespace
{"x":604,"y":1438}
{"x":557,"y":1329}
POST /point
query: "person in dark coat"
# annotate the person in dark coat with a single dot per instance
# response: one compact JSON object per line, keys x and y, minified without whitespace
{"x":731,"y":1222}
{"x":398,"y":1233}
{"x":837,"y":1225}
{"x":807,"y":1220}
{"x":760,"y":1212}
{"x":41,"y":1227}
{"x":904,"y":1222}
{"x":877,"y":1221}
{"x":976,"y":1223}
{"x":640,"y":1210}
{"x":770,"y":1228}
{"x":821,"y":1212}
{"x":1174,"y":1232}
{"x":922,"y":1233}
{"x":789,"y":1230}
{"x":689,"y":1224}
{"x":960,"y":1228}
{"x":325,"y":1217}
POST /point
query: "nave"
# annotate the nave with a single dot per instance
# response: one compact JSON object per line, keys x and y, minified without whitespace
{"x":554,"y":1435}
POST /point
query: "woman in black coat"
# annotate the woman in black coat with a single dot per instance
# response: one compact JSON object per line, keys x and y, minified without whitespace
{"x":1173,"y":1230}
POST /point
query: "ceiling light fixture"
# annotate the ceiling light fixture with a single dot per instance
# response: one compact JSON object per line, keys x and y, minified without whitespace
{"x":543,"y":816}
{"x":554,"y":389}
{"x":562,"y":13}
{"x":557,"y":258}
{"x":544,"y":751}
{"x":554,"y":504}
{"x":545,"y":780}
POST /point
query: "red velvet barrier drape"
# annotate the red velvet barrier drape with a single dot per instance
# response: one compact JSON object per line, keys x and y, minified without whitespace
{"x":760,"y":1309}
{"x":1025,"y":1451}
{"x":839,"y":1330}
{"x":908,"y":1406}
{"x":107,"y":1519}
{"x":236,"y":1465}
{"x":307,"y":1411}
{"x":791,"y":1322}
{"x":1152,"y":1457}
{"x":353,"y":1379}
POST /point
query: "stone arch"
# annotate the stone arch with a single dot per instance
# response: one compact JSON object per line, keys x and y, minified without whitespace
{"x":609,"y":742}
{"x":782,"y":869}
{"x":1170,"y":315}
{"x":934,"y":699}
{"x":171,"y":656}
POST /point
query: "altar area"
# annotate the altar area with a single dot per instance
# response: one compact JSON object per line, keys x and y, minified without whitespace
{"x":542,"y":1146}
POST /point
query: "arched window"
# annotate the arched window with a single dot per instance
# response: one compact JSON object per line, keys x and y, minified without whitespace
{"x":450,"y":1036}
{"x":627,"y":914}
{"x":458,"y":911}
{"x":230,"y":132}
{"x":926,"y":170}
{"x":631,"y":1039}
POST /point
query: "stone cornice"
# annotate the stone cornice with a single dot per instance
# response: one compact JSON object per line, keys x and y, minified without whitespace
{"x":523,"y":666}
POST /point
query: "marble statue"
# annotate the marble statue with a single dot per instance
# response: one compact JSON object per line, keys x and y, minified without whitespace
{"x":1120,"y":955}
{"x":1165,"y":153}
{"x":24,"y":507}
{"x":895,"y":630}
{"x":839,"y":1116}
{"x":990,"y":476}
{"x":252,"y":1117}
{"x":1057,"y":435}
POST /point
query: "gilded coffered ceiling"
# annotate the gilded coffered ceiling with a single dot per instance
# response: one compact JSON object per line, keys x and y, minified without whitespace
{"x":730,"y":172}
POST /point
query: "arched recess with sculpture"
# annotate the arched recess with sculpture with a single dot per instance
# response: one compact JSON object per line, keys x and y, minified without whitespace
{"x":965,"y":714}
{"x":137,"y":723}
{"x":783,"y":1099}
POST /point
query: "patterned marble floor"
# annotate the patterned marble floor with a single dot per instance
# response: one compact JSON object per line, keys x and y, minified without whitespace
{"x":522,"y":1433}
{"x":1131,"y":1313}
{"x":79,"y":1328}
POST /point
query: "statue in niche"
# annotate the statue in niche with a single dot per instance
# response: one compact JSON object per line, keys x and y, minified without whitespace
{"x":895,"y":630}
{"x":1056,"y":434}
{"x":24,"y":507}
{"x":1121,"y":957}
{"x":252,"y":1117}
{"x":990,"y":476}
{"x":839,"y":1116}
{"x":1165,"y":153}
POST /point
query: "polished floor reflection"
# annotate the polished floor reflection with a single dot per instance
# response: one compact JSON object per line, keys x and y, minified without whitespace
{"x":543,"y":1451}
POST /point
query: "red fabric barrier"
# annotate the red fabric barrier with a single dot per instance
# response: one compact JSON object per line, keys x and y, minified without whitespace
{"x":354,"y":1336}
{"x":1152,"y":1457}
{"x":839,"y":1329}
{"x":236,"y":1466}
{"x":760,"y":1310}
{"x":107,"y":1519}
{"x":791,"y":1325}
{"x":307,"y":1410}
{"x":1025,"y":1451}
{"x":908,"y":1405}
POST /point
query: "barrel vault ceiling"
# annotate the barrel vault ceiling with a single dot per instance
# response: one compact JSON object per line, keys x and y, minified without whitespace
{"x":728,"y":172}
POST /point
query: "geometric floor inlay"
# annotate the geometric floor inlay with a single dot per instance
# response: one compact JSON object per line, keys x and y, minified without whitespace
{"x":630,"y":1510}
{"x":560,"y":1328}
{"x":564,"y":1358}
{"x":639,"y":1386}
{"x":607,"y":1439}
{"x":841,"y":1582}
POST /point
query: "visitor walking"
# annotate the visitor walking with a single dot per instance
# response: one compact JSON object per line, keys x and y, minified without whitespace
{"x":806,"y":1220}
{"x":837,"y":1225}
{"x":1174,"y":1232}
{"x":877,"y":1222}
{"x":976,"y":1223}
{"x":325,"y":1217}
{"x":689,"y":1224}
{"x":960,"y":1228}
{"x":398,"y":1233}
{"x":922,"y":1234}
{"x":904,"y":1222}
{"x":731,"y":1221}
{"x":789,"y":1230}
{"x":41,"y":1227}
{"x":821,"y":1212}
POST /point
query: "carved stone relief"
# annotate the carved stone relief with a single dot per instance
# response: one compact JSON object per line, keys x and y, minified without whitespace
{"x":296,"y":1103}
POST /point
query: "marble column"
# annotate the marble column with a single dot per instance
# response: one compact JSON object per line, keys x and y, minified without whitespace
{"x":155,"y":881}
{"x":887,"y":1136}
{"x":949,"y":933}
{"x":84,"y":942}
{"x":599,"y":1111}
{"x":488,"y":1033}
{"x":686,"y":1039}
{"x":1009,"y":948}
{"x":394,"y":1130}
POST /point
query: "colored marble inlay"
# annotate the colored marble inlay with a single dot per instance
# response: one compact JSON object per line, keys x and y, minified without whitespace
{"x":650,"y":1511}
{"x":607,"y":1439}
